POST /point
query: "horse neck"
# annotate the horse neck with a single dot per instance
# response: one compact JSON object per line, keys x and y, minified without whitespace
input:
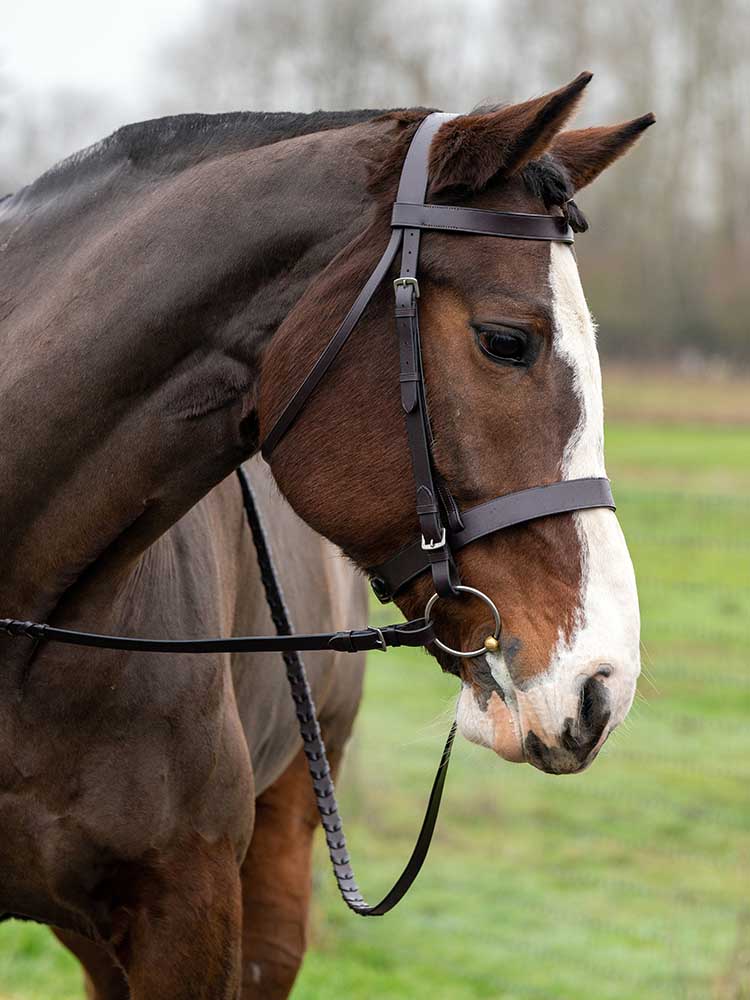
{"x":204,"y":264}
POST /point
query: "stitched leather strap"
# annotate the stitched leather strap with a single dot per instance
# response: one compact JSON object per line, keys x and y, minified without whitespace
{"x":413,"y":633}
{"x":487,"y":518}
{"x":315,"y":751}
{"x":290,"y":412}
{"x":511,"y":225}
{"x":413,"y":185}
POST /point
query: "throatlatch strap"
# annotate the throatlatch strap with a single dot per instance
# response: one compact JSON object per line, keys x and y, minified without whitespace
{"x":290,"y":412}
{"x":315,"y":752}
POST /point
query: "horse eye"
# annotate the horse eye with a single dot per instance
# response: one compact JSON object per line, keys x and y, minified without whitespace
{"x":503,"y":344}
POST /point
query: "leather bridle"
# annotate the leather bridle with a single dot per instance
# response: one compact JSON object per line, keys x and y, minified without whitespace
{"x":445,"y":529}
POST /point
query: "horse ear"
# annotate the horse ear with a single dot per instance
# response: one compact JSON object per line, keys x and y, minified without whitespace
{"x":469,"y":151}
{"x":586,"y":152}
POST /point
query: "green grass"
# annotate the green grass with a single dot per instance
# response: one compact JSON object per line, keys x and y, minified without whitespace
{"x":629,"y":881}
{"x":685,"y":459}
{"x":660,"y":394}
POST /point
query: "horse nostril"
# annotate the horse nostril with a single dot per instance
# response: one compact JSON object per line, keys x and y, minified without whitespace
{"x":580,"y":735}
{"x":605,"y":670}
{"x":588,"y":704}
{"x":594,"y":711}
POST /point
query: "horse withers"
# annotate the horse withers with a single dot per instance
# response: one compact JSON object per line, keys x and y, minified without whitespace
{"x":160,"y":296}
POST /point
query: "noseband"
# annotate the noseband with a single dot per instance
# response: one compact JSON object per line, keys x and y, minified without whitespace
{"x":444,"y":528}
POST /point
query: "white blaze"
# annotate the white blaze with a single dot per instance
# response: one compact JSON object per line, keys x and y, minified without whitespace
{"x":607,"y":625}
{"x":607,"y":629}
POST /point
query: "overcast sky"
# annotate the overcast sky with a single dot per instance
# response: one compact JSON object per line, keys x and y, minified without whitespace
{"x":100,"y":47}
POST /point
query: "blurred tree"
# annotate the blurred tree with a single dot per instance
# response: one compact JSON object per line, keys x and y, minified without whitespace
{"x":668,"y":250}
{"x":39,"y":130}
{"x":666,"y":259}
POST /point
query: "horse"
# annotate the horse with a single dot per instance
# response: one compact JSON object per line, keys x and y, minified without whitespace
{"x":162,"y":294}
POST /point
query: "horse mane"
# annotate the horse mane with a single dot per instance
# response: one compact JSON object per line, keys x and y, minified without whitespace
{"x":172,"y":143}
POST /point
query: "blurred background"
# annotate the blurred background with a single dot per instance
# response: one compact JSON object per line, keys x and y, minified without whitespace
{"x":632,"y":880}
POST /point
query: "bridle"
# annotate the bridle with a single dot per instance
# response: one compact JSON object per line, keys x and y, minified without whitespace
{"x":444,"y":528}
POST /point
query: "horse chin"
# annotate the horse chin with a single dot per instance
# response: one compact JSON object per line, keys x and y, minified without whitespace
{"x":490,"y":724}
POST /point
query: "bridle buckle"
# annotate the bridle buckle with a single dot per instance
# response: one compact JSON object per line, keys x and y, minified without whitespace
{"x":405,"y":282}
{"x":382,"y":645}
{"x":432,"y":546}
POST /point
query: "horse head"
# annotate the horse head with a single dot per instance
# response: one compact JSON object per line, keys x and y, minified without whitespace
{"x":514,"y":394}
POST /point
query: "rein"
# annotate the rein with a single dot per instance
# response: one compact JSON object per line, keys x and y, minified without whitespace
{"x":315,"y":751}
{"x":444,"y":528}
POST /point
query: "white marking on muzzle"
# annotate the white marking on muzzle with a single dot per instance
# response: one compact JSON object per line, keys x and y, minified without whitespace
{"x":607,"y":628}
{"x":607,"y":625}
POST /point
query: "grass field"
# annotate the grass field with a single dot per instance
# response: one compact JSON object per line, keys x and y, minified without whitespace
{"x":629,"y":882}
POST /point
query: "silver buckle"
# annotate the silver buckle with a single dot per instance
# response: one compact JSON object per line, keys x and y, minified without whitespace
{"x":382,"y":645}
{"x":431,"y":546}
{"x":405,"y":282}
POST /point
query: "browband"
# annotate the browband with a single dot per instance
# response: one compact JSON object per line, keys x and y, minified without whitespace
{"x":481,"y":222}
{"x":486,"y":518}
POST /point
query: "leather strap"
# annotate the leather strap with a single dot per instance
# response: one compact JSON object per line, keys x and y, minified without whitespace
{"x":413,"y":185}
{"x":433,"y":500}
{"x":413,"y":633}
{"x":290,"y":412}
{"x":511,"y":225}
{"x":410,"y":215}
{"x":487,"y":518}
{"x":315,"y":751}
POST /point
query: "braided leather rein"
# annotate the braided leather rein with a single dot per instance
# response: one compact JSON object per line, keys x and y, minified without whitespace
{"x":314,"y":748}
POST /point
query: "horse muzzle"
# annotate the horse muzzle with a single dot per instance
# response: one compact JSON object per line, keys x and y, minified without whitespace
{"x":564,"y":735}
{"x":556,"y":726}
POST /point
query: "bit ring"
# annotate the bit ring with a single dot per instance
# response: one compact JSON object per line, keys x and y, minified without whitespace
{"x":482,"y":597}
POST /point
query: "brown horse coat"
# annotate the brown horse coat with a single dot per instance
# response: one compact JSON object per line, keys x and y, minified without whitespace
{"x":107,"y":761}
